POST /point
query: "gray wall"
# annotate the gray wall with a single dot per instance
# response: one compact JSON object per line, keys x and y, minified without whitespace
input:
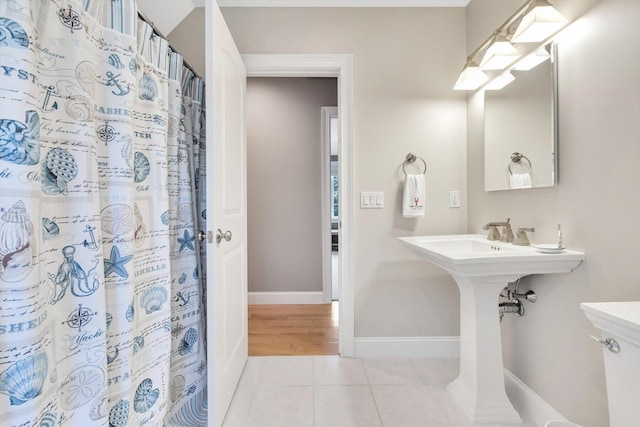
{"x":596,"y":201}
{"x":284,"y":181}
{"x":189,"y":40}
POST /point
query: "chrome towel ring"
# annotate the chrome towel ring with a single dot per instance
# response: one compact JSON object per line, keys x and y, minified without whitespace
{"x":411,"y":158}
{"x":517,"y":158}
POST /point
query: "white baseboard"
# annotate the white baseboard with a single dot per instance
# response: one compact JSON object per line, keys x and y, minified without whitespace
{"x":530,"y":406}
{"x":285,"y":297}
{"x":407,"y":347}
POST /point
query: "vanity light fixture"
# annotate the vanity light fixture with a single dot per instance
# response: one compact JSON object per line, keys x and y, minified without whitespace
{"x":534,"y":21}
{"x":530,"y":61}
{"x":501,"y":81}
{"x":471,"y":77}
{"x":499,"y":54}
{"x":540,"y":21}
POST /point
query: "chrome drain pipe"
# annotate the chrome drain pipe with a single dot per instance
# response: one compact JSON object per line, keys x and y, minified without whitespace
{"x":515,"y":307}
{"x":529,"y":296}
{"x":513,"y":304}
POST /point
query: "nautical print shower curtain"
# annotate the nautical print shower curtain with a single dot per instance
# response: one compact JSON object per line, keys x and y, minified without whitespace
{"x":193,"y":101}
{"x":101,"y":309}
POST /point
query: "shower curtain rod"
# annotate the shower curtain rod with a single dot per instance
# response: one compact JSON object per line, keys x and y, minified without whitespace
{"x":159,"y":34}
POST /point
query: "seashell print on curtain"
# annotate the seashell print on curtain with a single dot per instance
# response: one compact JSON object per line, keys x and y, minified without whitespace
{"x":101,"y":167}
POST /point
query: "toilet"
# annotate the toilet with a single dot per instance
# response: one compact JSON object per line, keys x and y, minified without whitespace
{"x":619,"y":323}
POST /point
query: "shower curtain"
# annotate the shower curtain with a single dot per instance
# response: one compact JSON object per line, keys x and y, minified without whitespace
{"x":101,"y":295}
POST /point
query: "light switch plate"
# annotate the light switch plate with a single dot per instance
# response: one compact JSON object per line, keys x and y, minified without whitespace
{"x":364,"y":199}
{"x":372,"y":200}
{"x":454,"y":199}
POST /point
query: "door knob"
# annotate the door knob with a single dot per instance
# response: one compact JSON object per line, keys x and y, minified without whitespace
{"x":201,"y":236}
{"x":220,"y":235}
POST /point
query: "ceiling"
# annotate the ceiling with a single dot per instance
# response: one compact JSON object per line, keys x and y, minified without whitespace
{"x":167,"y":14}
{"x":343,"y":3}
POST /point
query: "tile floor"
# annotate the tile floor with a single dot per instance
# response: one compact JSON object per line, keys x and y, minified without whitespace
{"x":330,"y":391}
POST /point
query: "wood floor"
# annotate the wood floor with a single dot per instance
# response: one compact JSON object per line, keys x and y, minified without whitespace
{"x":292,"y":329}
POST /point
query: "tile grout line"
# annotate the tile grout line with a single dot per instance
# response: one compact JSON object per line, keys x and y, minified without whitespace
{"x":372,"y":395}
{"x":430,"y":391}
{"x":313,"y":391}
{"x":254,"y":392}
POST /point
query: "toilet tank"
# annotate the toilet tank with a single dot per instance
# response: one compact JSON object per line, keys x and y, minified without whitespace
{"x":620,"y":322}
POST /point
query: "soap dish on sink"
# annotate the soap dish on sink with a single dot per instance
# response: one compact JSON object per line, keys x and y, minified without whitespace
{"x":550,"y":248}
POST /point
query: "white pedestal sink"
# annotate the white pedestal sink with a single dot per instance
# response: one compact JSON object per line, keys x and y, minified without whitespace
{"x":482,"y":268}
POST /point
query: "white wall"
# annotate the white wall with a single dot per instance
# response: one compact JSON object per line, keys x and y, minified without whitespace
{"x":284,"y":181}
{"x":597,"y":200}
{"x":405,"y":63}
{"x":403,"y":72}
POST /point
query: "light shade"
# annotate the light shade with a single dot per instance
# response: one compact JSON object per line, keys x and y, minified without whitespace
{"x":499,"y":54}
{"x":499,"y":82}
{"x":536,"y":57}
{"x":539,"y":23}
{"x":471,"y":77}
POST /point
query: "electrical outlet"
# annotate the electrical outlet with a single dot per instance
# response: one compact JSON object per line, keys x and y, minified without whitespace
{"x":454,"y":199}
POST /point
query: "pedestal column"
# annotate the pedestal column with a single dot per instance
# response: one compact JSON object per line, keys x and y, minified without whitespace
{"x":479,"y":389}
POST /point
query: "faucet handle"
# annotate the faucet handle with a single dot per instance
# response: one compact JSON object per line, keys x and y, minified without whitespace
{"x":494,"y":233}
{"x":521,"y":236}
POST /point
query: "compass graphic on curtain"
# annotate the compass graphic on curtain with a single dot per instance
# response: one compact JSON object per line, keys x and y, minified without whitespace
{"x":80,"y":317}
{"x":70,"y":19}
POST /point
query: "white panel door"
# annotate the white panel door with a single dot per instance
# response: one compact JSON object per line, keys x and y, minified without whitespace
{"x":227,"y":208}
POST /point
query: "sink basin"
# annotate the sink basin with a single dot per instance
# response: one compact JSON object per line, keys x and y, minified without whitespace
{"x":472,"y":255}
{"x":481,"y":269}
{"x":466,"y":247}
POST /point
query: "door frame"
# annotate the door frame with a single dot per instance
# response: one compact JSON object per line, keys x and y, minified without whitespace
{"x":326,"y":203}
{"x":341,"y":67}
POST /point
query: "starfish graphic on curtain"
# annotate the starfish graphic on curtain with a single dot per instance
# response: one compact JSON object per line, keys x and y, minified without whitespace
{"x":186,"y":241}
{"x":115,"y":263}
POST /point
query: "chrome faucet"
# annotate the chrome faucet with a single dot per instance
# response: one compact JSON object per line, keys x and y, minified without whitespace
{"x":494,"y":233}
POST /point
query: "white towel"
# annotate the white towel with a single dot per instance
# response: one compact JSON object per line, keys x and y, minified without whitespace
{"x":520,"y":180}
{"x":413,"y":196}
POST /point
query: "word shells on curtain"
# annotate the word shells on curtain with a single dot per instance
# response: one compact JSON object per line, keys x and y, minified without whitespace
{"x":101,"y":302}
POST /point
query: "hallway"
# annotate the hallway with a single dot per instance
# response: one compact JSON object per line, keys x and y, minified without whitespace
{"x":293,"y":329}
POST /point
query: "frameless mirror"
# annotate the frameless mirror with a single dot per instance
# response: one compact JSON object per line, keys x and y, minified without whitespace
{"x":520,"y":129}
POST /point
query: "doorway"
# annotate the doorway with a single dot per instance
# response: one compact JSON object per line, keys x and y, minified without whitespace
{"x":339,"y":66}
{"x":286,"y":216}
